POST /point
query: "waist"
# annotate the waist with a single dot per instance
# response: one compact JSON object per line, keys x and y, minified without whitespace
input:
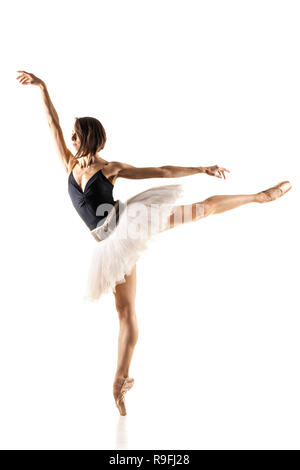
{"x":103,"y":225}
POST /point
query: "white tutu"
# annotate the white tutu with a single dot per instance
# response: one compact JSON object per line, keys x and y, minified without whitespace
{"x":125,"y":235}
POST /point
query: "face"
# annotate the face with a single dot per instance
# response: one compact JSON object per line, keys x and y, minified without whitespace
{"x":75,"y":139}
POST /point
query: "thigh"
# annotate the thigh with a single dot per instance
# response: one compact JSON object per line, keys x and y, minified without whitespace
{"x":183,"y":214}
{"x":126,"y":292}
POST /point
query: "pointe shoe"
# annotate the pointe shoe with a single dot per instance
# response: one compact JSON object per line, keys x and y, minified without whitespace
{"x":126,"y":385}
{"x":275,"y":192}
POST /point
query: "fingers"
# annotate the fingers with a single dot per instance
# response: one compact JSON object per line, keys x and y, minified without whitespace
{"x":22,"y":74}
{"x":24,"y":78}
{"x":23,"y":81}
{"x":217,"y":171}
{"x":86,"y":163}
{"x":221,"y":171}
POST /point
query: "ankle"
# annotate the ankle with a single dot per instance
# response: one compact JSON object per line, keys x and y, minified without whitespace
{"x":119,"y":376}
{"x":259,"y":197}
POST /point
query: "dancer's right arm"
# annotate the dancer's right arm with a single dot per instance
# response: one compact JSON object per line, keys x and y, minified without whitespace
{"x":64,"y":153}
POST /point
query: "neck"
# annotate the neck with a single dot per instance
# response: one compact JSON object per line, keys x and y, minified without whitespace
{"x":88,"y":160}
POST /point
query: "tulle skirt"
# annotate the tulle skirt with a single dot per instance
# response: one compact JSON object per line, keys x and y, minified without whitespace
{"x":125,"y":234}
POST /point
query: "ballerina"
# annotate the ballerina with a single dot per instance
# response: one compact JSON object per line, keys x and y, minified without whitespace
{"x":123,"y":229}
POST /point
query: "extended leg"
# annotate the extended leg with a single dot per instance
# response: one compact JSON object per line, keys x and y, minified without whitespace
{"x":217,"y":204}
{"x":212,"y":205}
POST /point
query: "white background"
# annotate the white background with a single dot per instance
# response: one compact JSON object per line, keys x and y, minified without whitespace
{"x":188,"y":83}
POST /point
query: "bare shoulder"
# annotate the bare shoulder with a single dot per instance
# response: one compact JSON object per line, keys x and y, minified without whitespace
{"x":112,"y":169}
{"x":71,"y":162}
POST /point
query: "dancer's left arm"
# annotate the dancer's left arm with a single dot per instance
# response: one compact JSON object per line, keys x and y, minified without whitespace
{"x":123,"y":170}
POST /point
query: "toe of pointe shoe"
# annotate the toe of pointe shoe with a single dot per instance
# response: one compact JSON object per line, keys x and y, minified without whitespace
{"x":285,"y":186}
{"x":121,"y":407}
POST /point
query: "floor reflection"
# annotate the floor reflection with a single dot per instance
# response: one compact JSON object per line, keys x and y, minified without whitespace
{"x":121,"y":439}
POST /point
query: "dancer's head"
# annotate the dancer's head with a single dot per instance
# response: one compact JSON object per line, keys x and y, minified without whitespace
{"x":88,"y":136}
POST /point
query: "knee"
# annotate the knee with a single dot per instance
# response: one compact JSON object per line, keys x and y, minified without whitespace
{"x":208,"y":206}
{"x":126,"y":310}
{"x":201,"y":209}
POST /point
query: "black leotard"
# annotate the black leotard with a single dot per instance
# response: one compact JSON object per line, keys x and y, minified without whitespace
{"x":98,"y":190}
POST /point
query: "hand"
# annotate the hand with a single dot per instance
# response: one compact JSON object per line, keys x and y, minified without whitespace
{"x":216,"y":171}
{"x":28,"y":78}
{"x":85,"y":162}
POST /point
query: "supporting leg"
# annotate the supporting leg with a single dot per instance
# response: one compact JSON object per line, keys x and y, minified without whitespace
{"x":128,"y":336}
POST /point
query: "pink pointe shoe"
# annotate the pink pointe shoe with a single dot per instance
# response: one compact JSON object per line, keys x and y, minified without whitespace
{"x":275,"y":192}
{"x":126,"y":385}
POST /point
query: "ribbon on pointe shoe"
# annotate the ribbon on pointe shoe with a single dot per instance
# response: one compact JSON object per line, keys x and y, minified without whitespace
{"x":126,"y":385}
{"x":283,"y":187}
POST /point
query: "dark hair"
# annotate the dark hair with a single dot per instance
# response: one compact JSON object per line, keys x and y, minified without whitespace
{"x":91,"y":134}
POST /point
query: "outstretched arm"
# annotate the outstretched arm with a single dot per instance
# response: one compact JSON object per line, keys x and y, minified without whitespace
{"x":53,"y":120}
{"x":51,"y":113}
{"x":176,"y":171}
{"x":168,"y":171}
{"x":123,"y":170}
